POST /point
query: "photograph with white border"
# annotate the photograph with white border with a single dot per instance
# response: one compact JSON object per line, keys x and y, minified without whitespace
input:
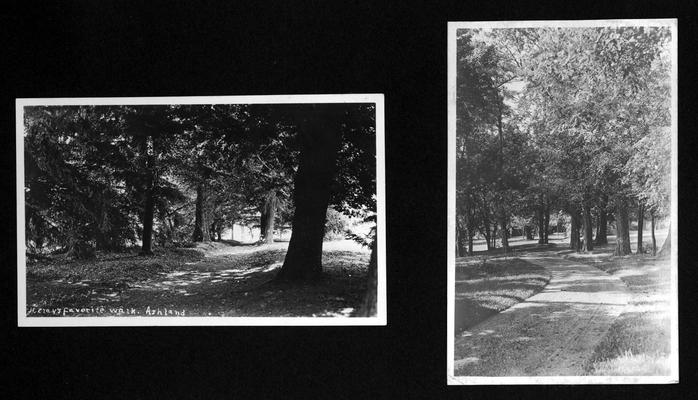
{"x":562,"y":202}
{"x":201,"y":210}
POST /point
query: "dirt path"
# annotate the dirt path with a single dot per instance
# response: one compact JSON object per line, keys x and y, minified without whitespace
{"x":550,"y":334}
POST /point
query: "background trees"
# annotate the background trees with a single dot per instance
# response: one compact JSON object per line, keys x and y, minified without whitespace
{"x":580,"y":117}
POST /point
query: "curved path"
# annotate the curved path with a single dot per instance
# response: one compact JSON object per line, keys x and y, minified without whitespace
{"x":552,"y":333}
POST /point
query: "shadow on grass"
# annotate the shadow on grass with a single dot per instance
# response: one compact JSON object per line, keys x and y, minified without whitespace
{"x":484,"y":289}
{"x":237,"y":284}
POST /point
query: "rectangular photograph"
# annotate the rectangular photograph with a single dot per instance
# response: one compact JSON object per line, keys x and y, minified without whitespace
{"x":225,"y":210}
{"x":562,"y":263}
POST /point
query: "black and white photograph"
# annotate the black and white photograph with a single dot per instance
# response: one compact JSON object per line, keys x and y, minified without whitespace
{"x":562,"y":264}
{"x":226,"y":210}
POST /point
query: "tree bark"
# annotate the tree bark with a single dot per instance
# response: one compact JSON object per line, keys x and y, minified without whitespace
{"x":149,"y":193}
{"x":575,"y":243}
{"x":146,"y":247}
{"x":546,"y":223}
{"x":369,"y":307}
{"x":470,"y":244}
{"x":504,"y":234}
{"x":201,"y":233}
{"x":541,"y":226}
{"x":666,"y":247}
{"x":320,"y":140}
{"x":640,"y":226}
{"x":622,"y":230}
{"x":601,"y":228}
{"x":460,"y":239}
{"x":654,"y":240}
{"x":587,"y":230}
{"x":268,"y":217}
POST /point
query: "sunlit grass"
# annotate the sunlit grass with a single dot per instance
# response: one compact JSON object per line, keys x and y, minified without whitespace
{"x":638,"y":342}
{"x":629,"y":364}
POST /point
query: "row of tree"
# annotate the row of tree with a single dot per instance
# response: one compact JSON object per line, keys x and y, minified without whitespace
{"x":105,"y":177}
{"x":573,"y":122}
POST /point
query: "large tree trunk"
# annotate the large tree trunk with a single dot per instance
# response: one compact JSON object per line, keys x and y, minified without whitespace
{"x":601,"y":228}
{"x":320,"y":138}
{"x":640,"y":226}
{"x":587,"y":230}
{"x":666,"y":247}
{"x":149,"y":194}
{"x":369,"y":307}
{"x":622,"y":230}
{"x":575,"y":243}
{"x":268,"y":216}
{"x":654,"y":240}
{"x":201,"y":233}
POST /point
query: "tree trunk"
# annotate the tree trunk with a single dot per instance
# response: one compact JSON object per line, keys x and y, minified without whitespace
{"x":654,"y":240}
{"x":541,"y":226}
{"x":622,"y":230}
{"x":504,"y":234}
{"x":460,"y":239}
{"x":601,"y":228}
{"x":369,"y":307}
{"x":487,"y":236}
{"x":587,"y":230}
{"x":201,"y":233}
{"x":528,"y":232}
{"x":546,"y":223}
{"x":666,"y":247}
{"x":640,"y":226}
{"x":493,"y":238}
{"x":575,"y":243}
{"x":320,"y":141}
{"x":268,"y":217}
{"x":146,"y":248}
{"x":470,"y":244}
{"x":149,"y":206}
{"x":470,"y":232}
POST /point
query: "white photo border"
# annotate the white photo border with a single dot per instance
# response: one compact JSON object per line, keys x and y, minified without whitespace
{"x":380,"y":319}
{"x":672,"y":24}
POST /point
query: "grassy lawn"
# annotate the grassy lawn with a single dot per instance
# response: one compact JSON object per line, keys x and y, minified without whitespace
{"x":487,"y":286}
{"x":214,"y":279}
{"x":638,"y":342}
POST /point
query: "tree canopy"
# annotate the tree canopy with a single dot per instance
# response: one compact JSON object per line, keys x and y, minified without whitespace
{"x":572,"y":121}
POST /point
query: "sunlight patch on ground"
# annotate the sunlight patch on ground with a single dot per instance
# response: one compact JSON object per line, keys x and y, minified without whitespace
{"x":465,"y":361}
{"x":630,"y":364}
{"x":345,"y":312}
